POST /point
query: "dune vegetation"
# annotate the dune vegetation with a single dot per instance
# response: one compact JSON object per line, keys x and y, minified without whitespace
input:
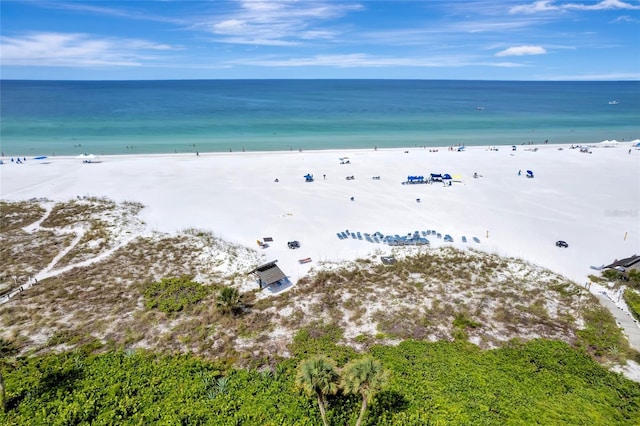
{"x":138,"y":327}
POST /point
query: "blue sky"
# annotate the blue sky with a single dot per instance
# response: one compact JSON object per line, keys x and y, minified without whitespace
{"x":421,"y":39}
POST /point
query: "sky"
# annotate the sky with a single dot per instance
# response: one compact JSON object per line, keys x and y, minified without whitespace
{"x":249,"y":39}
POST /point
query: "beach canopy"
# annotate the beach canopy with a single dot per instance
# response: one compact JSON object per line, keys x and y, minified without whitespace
{"x":446,"y":176}
{"x":268,"y":274}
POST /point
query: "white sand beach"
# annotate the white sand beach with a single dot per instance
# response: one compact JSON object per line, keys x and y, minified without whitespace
{"x":591,"y":200}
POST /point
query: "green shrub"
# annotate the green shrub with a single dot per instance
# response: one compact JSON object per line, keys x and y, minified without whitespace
{"x":633,"y":302}
{"x":612,"y":275}
{"x":463,"y":321}
{"x":539,"y":382}
{"x":174,"y":294}
{"x":601,"y":333}
{"x":633,"y":277}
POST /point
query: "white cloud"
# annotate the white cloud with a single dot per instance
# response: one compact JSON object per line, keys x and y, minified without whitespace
{"x":76,"y":50}
{"x":362,"y":60}
{"x":535,"y":7}
{"x":230,"y":26}
{"x":277,"y":23}
{"x":550,"y":5}
{"x":596,"y":77}
{"x":625,"y":18}
{"x":522,"y":51}
{"x":340,"y":61}
{"x":107,"y":11}
{"x":603,"y":5}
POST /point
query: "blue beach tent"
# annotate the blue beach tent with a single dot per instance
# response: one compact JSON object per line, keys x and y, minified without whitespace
{"x":308,"y":177}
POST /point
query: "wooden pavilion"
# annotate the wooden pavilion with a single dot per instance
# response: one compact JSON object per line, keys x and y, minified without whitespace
{"x":268,"y":274}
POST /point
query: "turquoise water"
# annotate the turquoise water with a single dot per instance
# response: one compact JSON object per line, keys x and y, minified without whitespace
{"x":124,"y":117}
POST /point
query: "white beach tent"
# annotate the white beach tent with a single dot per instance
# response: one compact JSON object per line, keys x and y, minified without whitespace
{"x":608,"y":144}
{"x":87,"y":158}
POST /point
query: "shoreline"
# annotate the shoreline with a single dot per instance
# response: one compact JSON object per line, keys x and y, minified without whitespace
{"x":522,"y":146}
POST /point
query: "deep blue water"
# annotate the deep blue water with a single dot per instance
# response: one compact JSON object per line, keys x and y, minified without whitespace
{"x":117,"y":117}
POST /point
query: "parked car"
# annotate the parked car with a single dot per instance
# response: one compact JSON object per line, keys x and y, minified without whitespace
{"x":562,"y":244}
{"x":293,"y":244}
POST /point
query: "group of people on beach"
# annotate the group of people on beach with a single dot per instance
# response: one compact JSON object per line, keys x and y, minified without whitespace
{"x":17,"y":160}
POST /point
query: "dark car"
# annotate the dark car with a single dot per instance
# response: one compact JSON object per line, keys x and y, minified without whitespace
{"x":293,"y":244}
{"x":562,"y":244}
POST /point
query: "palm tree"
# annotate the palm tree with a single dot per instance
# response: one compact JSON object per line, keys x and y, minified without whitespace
{"x":318,"y":376}
{"x":228,"y":300}
{"x":366,"y":377}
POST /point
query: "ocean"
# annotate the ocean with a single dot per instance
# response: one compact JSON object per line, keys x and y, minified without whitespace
{"x":135,"y":117}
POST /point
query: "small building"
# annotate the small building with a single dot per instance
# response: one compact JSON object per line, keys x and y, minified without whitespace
{"x":624,"y":265}
{"x":268,"y":274}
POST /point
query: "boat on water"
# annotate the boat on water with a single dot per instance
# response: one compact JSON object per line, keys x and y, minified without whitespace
{"x":613,"y":102}
{"x":480,"y":108}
